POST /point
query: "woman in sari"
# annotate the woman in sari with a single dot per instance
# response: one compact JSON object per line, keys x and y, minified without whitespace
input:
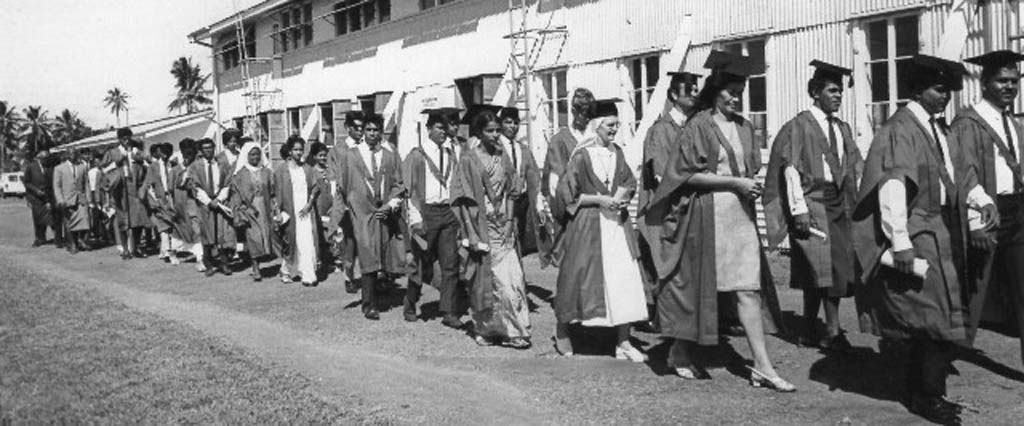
{"x":317,"y":161}
{"x":485,"y":194}
{"x":599,"y":282}
{"x":711,"y":245}
{"x":252,"y":184}
{"x":295,"y":191}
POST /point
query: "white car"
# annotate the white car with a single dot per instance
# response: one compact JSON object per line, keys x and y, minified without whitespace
{"x":11,"y":184}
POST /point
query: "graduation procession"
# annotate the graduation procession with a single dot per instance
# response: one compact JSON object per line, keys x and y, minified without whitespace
{"x":731,"y":211}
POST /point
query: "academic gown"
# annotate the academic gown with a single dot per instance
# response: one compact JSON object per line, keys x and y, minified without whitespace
{"x":498,"y":288}
{"x":186,"y":213}
{"x":987,"y":292}
{"x":69,"y":182}
{"x":215,"y":225}
{"x":688,"y":294}
{"x":814,"y":263}
{"x":582,"y":292}
{"x":900,"y":305}
{"x":661,"y":138}
{"x":253,"y":194}
{"x":336,"y":161}
{"x":560,"y":147}
{"x":379,"y":244}
{"x":532,"y":234}
{"x":125,"y":190}
{"x":158,"y":199}
{"x":284,"y":202}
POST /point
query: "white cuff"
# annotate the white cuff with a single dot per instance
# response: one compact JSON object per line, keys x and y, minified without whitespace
{"x":795,"y":192}
{"x":395,"y":203}
{"x":552,"y":184}
{"x":223,"y":194}
{"x":892,"y":205}
{"x":977,"y":198}
{"x":414,"y":215}
{"x":202,"y":197}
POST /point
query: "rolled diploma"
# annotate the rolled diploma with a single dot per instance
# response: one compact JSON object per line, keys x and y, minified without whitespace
{"x":920,"y":268}
{"x":818,"y":233}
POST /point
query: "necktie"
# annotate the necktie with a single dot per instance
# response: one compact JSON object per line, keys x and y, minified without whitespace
{"x":938,"y":142}
{"x":832,"y":133}
{"x":515,"y":162}
{"x":74,"y":172}
{"x":440,"y":163}
{"x":1009,"y":136}
{"x":374,"y":170}
{"x":209,"y":175}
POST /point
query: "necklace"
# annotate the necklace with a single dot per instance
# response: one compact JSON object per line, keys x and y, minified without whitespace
{"x":605,"y":161}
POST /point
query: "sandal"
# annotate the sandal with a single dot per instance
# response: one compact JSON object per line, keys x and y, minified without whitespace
{"x":759,"y":380}
{"x":482,"y":341}
{"x":630,"y":353}
{"x":518,"y":343}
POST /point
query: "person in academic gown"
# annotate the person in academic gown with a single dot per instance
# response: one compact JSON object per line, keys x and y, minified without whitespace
{"x":658,"y":144}
{"x":35,"y":194}
{"x":599,"y":282}
{"x":295,"y":191}
{"x":911,"y":206}
{"x":317,"y":160}
{"x":990,"y":138}
{"x":187,"y":227}
{"x":373,"y":198}
{"x":252,"y":187}
{"x":560,"y":147}
{"x":486,"y":189}
{"x":119,"y":179}
{"x":433,"y":224}
{"x":97,"y":219}
{"x":340,"y":224}
{"x":156,"y":195}
{"x":530,"y":207}
{"x":210,"y":187}
{"x":710,"y":240}
{"x":69,"y":179}
{"x":811,"y":184}
{"x":231,"y":141}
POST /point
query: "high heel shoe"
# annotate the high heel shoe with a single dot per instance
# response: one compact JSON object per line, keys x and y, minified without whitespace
{"x":759,"y":379}
{"x":630,"y":353}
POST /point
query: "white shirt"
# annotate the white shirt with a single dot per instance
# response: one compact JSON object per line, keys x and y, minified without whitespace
{"x":351,"y":143}
{"x":94,"y":178}
{"x":994,"y":118}
{"x":506,"y":144}
{"x":222,"y":193}
{"x":892,"y":195}
{"x":795,"y":191}
{"x":677,"y":117}
{"x":434,"y":192}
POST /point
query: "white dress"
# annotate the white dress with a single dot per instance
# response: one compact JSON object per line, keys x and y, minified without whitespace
{"x":624,"y":297}
{"x":737,"y":244}
{"x":305,"y":248}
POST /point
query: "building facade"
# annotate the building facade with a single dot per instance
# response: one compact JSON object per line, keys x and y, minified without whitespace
{"x":317,"y":59}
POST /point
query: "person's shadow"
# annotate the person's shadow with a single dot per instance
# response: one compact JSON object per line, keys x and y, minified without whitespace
{"x":877,"y":375}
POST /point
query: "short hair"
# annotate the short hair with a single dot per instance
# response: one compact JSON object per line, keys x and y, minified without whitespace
{"x":815,"y":85}
{"x":167,"y":149}
{"x":230,"y":134}
{"x":480,"y":122}
{"x":375,"y":119}
{"x":124,"y":132}
{"x":186,"y":144}
{"x":314,"y":149}
{"x":437,"y":117}
{"x":583,"y":102}
{"x":203,"y":142}
{"x":286,"y":147}
{"x":154,"y":148}
{"x":509,"y":114}
{"x":990,"y":72}
{"x":245,"y":139}
{"x":352,"y":116}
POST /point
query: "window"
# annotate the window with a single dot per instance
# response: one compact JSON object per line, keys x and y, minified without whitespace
{"x":644,"y":73}
{"x":327,"y":124}
{"x":230,"y":55}
{"x":755,"y":97}
{"x":294,"y":121}
{"x":427,"y":4}
{"x":367,"y":104}
{"x":355,"y":15}
{"x":556,"y":100}
{"x":891,"y":43}
{"x":296,"y":27}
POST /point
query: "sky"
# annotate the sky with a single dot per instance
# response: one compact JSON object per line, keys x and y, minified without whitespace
{"x":67,"y":53}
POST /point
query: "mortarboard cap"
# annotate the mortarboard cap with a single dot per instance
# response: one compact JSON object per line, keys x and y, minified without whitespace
{"x":684,"y":77}
{"x":477,"y":109}
{"x":730,"y":63}
{"x":606,"y":108}
{"x":997,"y":59}
{"x":445,"y":111}
{"x":930,"y":70}
{"x":829,"y":72}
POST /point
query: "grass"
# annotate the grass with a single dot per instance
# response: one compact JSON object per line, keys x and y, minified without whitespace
{"x":69,"y":355}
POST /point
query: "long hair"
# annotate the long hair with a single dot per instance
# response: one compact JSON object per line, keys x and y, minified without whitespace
{"x":480,"y":122}
{"x":713,"y":85}
{"x":314,"y":149}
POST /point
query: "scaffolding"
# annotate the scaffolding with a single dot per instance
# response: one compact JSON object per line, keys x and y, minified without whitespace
{"x":254,"y":94}
{"x":525,"y":43}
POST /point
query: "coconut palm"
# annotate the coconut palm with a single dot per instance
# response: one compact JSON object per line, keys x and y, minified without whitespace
{"x":38,"y":129}
{"x":190,"y":82}
{"x":117,"y":101}
{"x":67,"y":127}
{"x":10,"y":130}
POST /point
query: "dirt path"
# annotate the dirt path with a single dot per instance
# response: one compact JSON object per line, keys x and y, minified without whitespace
{"x":401,"y":388}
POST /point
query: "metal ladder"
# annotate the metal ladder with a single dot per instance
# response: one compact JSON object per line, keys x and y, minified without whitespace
{"x":253,"y":93}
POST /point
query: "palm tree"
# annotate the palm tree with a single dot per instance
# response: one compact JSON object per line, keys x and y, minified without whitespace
{"x":117,"y":101}
{"x":38,"y":129}
{"x":67,"y":127}
{"x":10,"y":130}
{"x":190,"y":82}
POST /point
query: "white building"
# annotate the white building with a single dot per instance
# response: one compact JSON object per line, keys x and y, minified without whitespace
{"x":321,"y":58}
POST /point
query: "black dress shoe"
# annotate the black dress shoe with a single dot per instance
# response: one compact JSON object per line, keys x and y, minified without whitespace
{"x":371,"y":314}
{"x":38,"y":243}
{"x":351,"y":287}
{"x":126,"y":255}
{"x":451,"y":321}
{"x":836,"y":344}
{"x":647,"y":327}
{"x":224,"y":270}
{"x":210,"y":270}
{"x":933,"y":409}
{"x":410,"y":316}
